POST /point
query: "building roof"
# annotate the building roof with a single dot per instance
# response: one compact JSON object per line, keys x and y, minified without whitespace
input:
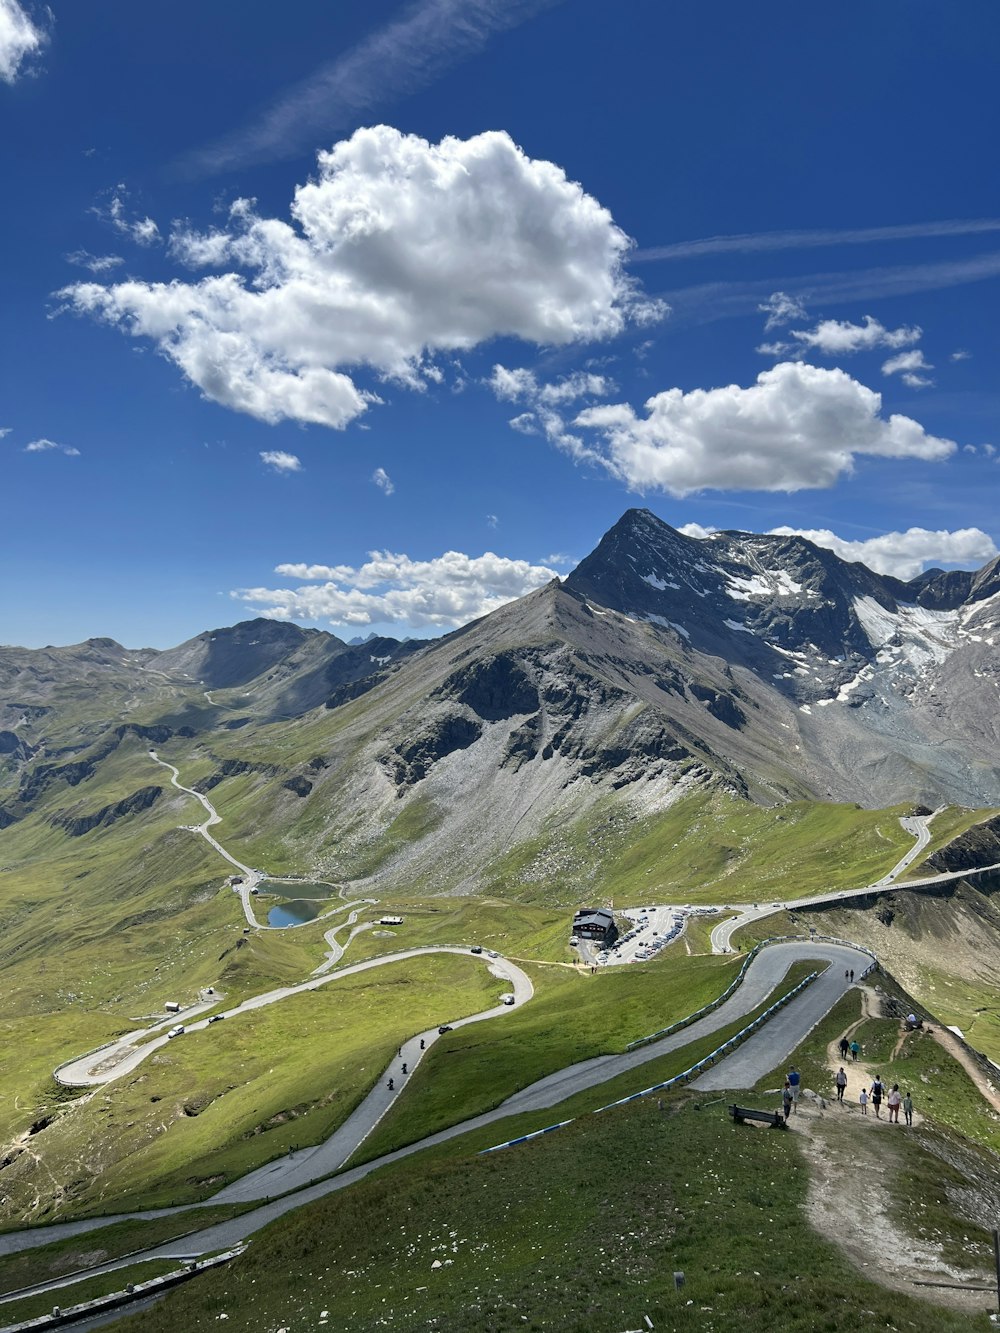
{"x":603,"y":920}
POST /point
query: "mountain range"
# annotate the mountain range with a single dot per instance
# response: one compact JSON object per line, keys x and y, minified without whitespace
{"x":763,"y":667}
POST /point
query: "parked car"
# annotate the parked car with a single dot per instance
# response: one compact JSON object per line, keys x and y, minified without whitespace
{"x":217,"y":1018}
{"x":176,"y":1031}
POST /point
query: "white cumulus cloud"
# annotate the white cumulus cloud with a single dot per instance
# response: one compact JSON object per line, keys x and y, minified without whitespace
{"x":836,"y":337}
{"x":445,"y":592}
{"x":280,"y":461}
{"x":905,"y":554}
{"x":909,"y":365}
{"x":398,"y":249}
{"x":799,"y":426}
{"x":520,"y":384}
{"x":20,"y":39}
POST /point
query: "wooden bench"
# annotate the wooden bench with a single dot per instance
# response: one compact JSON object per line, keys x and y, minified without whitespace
{"x":773,"y":1118}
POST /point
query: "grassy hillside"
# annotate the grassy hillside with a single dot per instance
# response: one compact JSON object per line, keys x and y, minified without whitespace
{"x":581,"y":1230}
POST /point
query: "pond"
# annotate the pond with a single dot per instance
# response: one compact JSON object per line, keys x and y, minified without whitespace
{"x":293,"y":912}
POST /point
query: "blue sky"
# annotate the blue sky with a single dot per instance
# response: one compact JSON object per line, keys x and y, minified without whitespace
{"x":277,"y":282}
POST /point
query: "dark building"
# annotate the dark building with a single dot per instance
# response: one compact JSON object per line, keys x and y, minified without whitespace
{"x":594,"y":923}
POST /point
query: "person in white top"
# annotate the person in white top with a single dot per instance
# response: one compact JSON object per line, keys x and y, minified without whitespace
{"x":893,"y":1101}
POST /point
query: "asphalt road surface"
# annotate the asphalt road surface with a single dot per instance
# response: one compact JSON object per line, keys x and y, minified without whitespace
{"x":757,"y":1056}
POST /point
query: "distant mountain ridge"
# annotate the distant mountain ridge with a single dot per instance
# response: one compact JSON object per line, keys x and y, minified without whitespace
{"x":763,"y":666}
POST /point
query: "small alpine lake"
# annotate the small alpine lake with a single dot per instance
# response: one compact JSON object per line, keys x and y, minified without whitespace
{"x":305,"y":905}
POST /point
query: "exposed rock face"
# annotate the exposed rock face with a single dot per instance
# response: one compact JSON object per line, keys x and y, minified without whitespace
{"x":413,"y":759}
{"x":494,"y":689}
{"x":231,"y":768}
{"x":895,"y":682}
{"x":299,"y":785}
{"x":77,"y":825}
{"x":11,"y":744}
{"x":979,"y":846}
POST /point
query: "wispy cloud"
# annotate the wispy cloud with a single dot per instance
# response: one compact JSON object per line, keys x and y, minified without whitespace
{"x":142,"y":230}
{"x":383,"y":481}
{"x":20,"y":39}
{"x":781,"y":308}
{"x":94,"y":263}
{"x":48,"y":446}
{"x":709,"y":301}
{"x":754,"y":242}
{"x":399,"y":59}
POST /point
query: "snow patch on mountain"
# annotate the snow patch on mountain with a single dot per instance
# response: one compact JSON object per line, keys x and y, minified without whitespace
{"x":668,"y":624}
{"x":766,"y":583}
{"x":917,"y":635}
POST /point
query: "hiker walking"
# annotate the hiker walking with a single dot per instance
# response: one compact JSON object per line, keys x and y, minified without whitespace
{"x":404,"y":1068}
{"x":845,"y":1046}
{"x":855,"y":1050}
{"x":794,"y":1079}
{"x":863,"y":1100}
{"x":893,"y":1101}
{"x":841,"y":1082}
{"x":876,"y":1092}
{"x":908,"y":1108}
{"x":787,"y":1100}
{"x":852,"y":975}
{"x":392,"y":1085}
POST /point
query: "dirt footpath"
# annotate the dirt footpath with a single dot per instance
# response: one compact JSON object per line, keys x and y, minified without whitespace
{"x":850,"y":1203}
{"x":853,"y":1162}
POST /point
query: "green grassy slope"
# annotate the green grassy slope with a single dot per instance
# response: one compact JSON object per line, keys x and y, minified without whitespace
{"x":581,"y":1230}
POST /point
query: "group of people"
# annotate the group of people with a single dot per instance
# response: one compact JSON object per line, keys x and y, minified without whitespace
{"x":876,"y":1095}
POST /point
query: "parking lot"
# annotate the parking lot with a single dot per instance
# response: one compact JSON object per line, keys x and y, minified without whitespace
{"x":652,"y":929}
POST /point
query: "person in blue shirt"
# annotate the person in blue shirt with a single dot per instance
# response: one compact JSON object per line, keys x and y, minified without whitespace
{"x":794,"y":1079}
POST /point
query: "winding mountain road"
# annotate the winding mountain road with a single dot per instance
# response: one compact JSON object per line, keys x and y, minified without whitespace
{"x":762,"y":1052}
{"x":119,"y":1058}
{"x":299,"y":1177}
{"x":251,"y":878}
{"x":919,"y":828}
